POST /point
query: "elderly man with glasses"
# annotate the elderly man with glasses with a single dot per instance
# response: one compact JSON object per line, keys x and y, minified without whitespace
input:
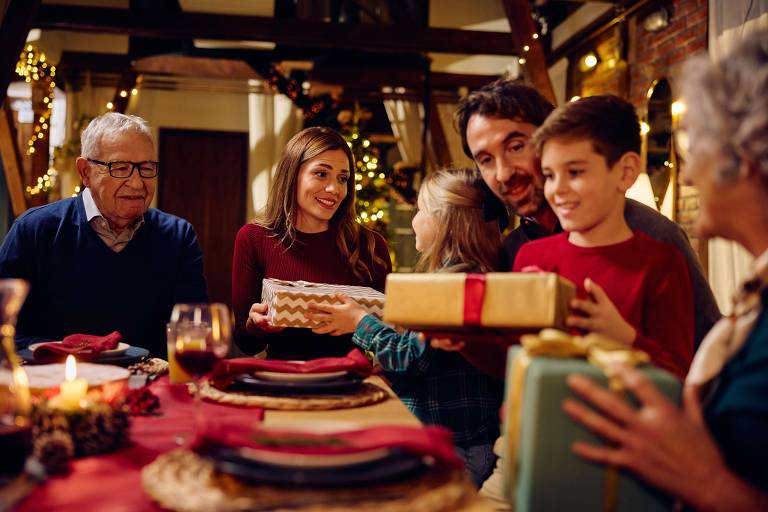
{"x":105,"y":261}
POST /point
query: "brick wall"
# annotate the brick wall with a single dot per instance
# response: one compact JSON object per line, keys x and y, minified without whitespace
{"x":656,"y":55}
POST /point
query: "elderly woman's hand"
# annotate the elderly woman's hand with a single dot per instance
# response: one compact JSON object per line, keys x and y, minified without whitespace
{"x":665,"y":445}
{"x":259,"y":320}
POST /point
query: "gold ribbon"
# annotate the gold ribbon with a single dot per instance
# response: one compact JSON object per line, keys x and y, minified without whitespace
{"x":599,"y":351}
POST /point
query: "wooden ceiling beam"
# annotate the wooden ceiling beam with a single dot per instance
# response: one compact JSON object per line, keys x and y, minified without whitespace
{"x":522,"y":26}
{"x":225,"y":67}
{"x":382,"y":38}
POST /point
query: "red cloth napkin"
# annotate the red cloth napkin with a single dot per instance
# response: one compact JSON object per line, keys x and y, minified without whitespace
{"x":84,"y":346}
{"x":432,"y":441}
{"x":226,"y":370}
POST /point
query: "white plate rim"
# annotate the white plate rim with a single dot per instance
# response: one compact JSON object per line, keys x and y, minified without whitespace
{"x":121,"y":349}
{"x":303,"y":460}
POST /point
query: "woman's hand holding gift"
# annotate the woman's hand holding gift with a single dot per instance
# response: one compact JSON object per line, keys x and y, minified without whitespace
{"x":258,"y":319}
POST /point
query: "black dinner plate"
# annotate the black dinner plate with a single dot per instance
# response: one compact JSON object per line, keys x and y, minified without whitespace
{"x":131,"y":356}
{"x":398,"y":465}
{"x":343,"y":384}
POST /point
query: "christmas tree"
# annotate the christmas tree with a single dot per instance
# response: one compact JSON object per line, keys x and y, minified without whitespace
{"x":371,"y":189}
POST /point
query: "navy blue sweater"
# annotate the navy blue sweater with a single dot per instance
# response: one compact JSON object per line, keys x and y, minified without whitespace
{"x":79,"y":285}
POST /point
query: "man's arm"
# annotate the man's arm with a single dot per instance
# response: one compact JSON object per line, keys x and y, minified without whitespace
{"x":652,"y":223}
{"x":190,"y":285}
{"x":17,"y":261}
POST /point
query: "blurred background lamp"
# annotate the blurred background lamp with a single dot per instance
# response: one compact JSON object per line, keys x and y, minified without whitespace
{"x":656,"y":21}
{"x":588,"y":62}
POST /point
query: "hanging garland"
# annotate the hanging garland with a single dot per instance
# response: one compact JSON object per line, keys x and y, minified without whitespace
{"x":33,"y":67}
{"x":312,"y":107}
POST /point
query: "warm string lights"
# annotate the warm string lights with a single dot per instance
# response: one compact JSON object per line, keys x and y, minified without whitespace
{"x":33,"y":67}
{"x":45,"y":183}
{"x":123,"y":94}
{"x":527,"y":48}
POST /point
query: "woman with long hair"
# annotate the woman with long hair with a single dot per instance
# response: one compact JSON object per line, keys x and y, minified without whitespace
{"x":437,"y":386}
{"x":307,"y":231}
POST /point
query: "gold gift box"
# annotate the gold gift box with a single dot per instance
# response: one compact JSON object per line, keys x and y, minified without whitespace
{"x":510,"y":301}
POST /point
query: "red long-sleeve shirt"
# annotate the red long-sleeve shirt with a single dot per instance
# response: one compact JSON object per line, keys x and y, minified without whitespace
{"x":312,"y":257}
{"x":646,"y":279}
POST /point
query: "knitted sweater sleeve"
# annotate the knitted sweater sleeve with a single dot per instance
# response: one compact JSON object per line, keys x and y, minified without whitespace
{"x":667,"y":333}
{"x":394,"y":351}
{"x":17,"y":261}
{"x":247,"y":275}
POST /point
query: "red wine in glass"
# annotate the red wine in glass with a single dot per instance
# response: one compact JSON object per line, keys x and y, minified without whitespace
{"x":15,"y":445}
{"x":197,"y":363}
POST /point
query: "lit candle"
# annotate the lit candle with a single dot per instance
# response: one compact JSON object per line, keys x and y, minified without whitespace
{"x":73,"y":390}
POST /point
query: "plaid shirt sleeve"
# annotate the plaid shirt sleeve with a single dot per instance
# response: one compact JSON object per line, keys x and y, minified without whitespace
{"x":394,"y":351}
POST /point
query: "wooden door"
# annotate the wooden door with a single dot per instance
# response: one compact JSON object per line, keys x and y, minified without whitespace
{"x":202,"y":179}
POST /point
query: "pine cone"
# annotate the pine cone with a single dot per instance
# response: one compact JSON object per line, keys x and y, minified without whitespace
{"x":100,"y":430}
{"x":46,"y":421}
{"x":54,"y":451}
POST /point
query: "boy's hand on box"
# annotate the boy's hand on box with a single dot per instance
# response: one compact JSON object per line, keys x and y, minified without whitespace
{"x":336,"y":319}
{"x":258,"y":319}
{"x":600,"y":315}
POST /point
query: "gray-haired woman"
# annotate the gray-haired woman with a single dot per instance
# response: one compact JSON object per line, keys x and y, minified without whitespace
{"x":713,"y":452}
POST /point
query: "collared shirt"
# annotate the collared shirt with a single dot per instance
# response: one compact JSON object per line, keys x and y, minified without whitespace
{"x":99,"y":223}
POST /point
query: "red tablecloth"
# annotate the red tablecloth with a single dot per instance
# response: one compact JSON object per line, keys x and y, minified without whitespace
{"x":113,"y":482}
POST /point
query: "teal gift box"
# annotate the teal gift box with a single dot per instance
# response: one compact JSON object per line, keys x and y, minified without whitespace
{"x":547,"y":475}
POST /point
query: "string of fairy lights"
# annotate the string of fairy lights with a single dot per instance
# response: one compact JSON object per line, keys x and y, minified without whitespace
{"x":526,"y":48}
{"x":34,"y":68}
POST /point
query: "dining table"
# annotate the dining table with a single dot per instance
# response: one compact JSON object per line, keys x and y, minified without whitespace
{"x":113,"y":481}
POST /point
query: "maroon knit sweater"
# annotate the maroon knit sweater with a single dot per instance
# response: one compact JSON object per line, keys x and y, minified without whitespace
{"x":312,"y":257}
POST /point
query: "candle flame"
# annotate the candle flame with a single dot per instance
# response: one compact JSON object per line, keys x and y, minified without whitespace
{"x":70,"y":368}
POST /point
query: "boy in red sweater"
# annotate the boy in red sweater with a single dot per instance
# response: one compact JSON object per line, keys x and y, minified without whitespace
{"x":632,"y":288}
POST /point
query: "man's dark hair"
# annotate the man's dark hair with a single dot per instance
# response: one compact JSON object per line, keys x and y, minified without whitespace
{"x":608,"y":122}
{"x":508,"y":99}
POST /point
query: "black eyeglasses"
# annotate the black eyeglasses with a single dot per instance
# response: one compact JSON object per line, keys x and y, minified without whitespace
{"x":117,"y":169}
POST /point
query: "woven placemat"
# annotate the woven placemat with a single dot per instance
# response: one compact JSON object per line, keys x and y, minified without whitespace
{"x":367,"y":394}
{"x":182,"y":481}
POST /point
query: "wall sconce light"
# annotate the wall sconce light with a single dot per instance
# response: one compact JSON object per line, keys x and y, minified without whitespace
{"x":588,"y":62}
{"x":677,"y":108}
{"x":656,"y":21}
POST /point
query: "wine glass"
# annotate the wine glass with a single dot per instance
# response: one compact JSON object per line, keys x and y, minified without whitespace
{"x":15,"y":400}
{"x":202,"y":334}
